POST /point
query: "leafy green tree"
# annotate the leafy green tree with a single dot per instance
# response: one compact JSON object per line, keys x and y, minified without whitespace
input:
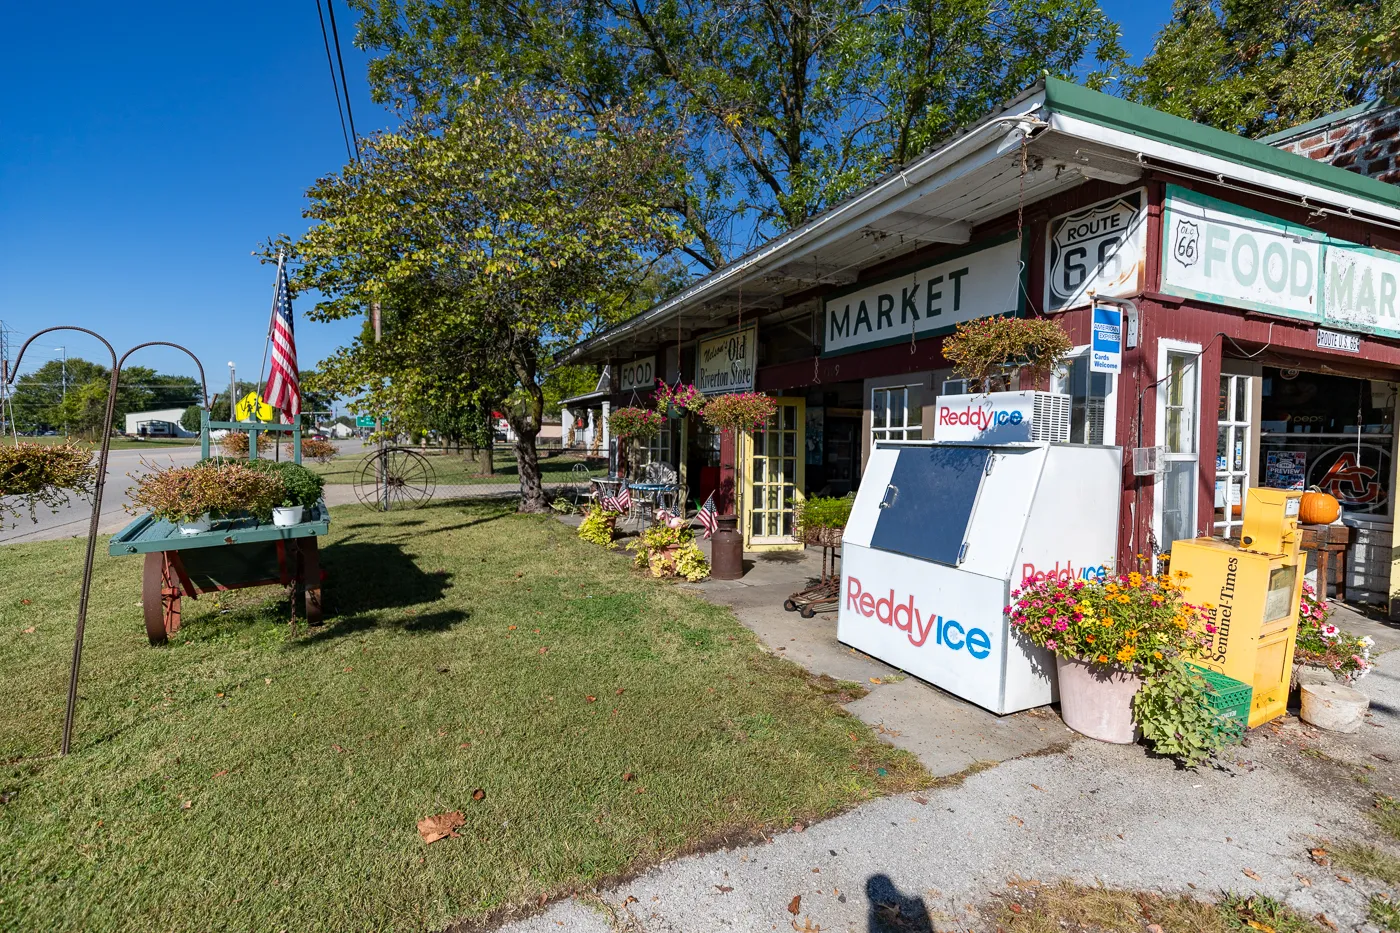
{"x":39,"y":394}
{"x":1257,"y":67}
{"x":783,"y":106}
{"x":492,"y":238}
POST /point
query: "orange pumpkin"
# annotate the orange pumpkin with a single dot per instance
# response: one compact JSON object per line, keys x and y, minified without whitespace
{"x":1318,"y":508}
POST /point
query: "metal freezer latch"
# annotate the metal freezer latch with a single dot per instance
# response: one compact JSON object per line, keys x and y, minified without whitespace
{"x":891,"y":494}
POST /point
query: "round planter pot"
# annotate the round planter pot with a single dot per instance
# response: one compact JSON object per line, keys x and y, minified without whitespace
{"x":286,"y":517}
{"x":1098,"y":701}
{"x":198,"y":526}
{"x":727,"y":550}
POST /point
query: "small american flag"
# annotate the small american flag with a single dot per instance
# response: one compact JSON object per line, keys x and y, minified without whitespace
{"x":708,"y":516}
{"x":282,"y":389}
{"x":624,"y":499}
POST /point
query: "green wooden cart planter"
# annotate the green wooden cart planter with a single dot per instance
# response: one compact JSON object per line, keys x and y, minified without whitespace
{"x":234,"y":554}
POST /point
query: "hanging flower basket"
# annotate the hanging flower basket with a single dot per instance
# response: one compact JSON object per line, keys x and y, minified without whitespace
{"x":678,"y":400}
{"x":740,"y":411}
{"x":32,"y":475}
{"x":634,"y":424}
{"x":990,"y":350}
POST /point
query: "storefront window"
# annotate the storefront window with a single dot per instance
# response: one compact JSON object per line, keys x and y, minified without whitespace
{"x":1180,"y":392}
{"x":1089,"y":399}
{"x":895,"y":414}
{"x":1232,"y":454}
{"x":1328,"y":431}
{"x":658,"y":448}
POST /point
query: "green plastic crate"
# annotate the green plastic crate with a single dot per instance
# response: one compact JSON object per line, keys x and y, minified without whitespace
{"x":1229,"y":696}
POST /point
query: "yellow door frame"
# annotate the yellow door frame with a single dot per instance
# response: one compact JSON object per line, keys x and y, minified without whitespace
{"x":799,"y":481}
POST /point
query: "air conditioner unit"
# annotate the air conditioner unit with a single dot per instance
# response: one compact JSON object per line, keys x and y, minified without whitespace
{"x":1051,"y":417}
{"x":1149,"y":461}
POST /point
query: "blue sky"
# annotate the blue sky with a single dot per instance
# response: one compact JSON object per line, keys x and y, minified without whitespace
{"x":147,"y":149}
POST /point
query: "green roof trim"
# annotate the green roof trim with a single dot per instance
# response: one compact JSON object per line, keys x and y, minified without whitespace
{"x":1115,"y":113}
{"x":1326,"y":120}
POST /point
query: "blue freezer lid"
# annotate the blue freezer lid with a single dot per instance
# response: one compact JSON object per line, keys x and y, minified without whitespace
{"x":925,"y":510}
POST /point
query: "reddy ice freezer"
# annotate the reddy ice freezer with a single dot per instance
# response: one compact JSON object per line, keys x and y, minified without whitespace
{"x":942,"y":532}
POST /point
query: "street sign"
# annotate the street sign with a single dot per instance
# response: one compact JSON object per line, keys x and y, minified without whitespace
{"x":251,"y":407}
{"x":1106,"y":342}
{"x":364,"y":421}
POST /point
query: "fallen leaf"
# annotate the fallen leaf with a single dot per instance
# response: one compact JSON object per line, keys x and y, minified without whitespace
{"x":267,"y":680}
{"x":544,"y":650}
{"x":1320,"y":856}
{"x":24,"y":602}
{"x":591,"y":699}
{"x":817,"y":871}
{"x":441,"y":826}
{"x":1322,"y":919}
{"x":510,"y":628}
{"x":347,"y":670}
{"x":876,"y":680}
{"x":921,"y":801}
{"x":1038,"y":787}
{"x":185,"y":805}
{"x":339,"y":748}
{"x":798,"y":828}
{"x":627,"y":775}
{"x":478,"y":794}
{"x":1252,"y":874}
{"x":1304,"y":880}
{"x":619,"y":690}
{"x":629,"y":900}
{"x":221,"y":773}
{"x":28,"y":631}
{"x":1344,"y":879}
{"x":1015,"y":819}
{"x":723,"y":888}
{"x":795,"y":905}
{"x":1016,"y":908}
{"x":1261,"y":927}
{"x":465,"y":745}
{"x":1154,"y":928}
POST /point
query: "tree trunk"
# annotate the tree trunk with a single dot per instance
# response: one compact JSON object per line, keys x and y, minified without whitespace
{"x":486,"y":460}
{"x":532,"y":496}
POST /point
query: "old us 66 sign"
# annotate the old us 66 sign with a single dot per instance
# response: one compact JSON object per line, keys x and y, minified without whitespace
{"x":1097,"y":250}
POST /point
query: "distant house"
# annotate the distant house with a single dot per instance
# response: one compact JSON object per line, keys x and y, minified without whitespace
{"x":164,"y":422}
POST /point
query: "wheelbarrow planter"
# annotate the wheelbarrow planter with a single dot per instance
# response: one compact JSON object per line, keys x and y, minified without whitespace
{"x":233,"y":554}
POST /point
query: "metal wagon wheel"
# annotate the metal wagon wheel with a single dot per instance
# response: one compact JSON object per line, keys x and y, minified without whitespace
{"x":395,"y":478}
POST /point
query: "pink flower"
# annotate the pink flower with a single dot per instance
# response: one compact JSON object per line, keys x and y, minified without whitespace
{"x":1210,"y":628}
{"x":1051,"y":644}
{"x":1061,"y":625}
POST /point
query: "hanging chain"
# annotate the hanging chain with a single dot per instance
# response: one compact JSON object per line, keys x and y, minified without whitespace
{"x":913,"y":321}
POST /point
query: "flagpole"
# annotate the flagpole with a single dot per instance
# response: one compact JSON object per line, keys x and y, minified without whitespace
{"x":281,"y":258}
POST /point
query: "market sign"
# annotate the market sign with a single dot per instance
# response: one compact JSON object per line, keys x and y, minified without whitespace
{"x":1222,"y":253}
{"x":726,"y":363}
{"x":638,"y":374}
{"x":1098,"y":250}
{"x":976,"y":283}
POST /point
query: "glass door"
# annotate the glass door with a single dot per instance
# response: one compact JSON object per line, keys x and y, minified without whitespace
{"x":1232,"y":454}
{"x":774,"y":474}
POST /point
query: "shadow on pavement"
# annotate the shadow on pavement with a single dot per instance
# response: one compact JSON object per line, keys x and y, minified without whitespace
{"x":893,"y":912}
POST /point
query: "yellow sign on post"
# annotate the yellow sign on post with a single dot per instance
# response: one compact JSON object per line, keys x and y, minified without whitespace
{"x":251,"y":407}
{"x":1253,"y":591}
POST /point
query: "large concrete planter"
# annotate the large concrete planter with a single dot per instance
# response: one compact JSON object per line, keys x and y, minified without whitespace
{"x":1098,"y":701}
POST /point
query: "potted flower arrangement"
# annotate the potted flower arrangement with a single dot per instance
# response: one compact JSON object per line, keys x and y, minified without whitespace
{"x":670,"y":552}
{"x":301,"y":488}
{"x":235,"y":443}
{"x":739,"y":411}
{"x":194,"y":497}
{"x":43,"y":474}
{"x":1322,"y":644}
{"x":822,"y":519}
{"x":320,"y":451}
{"x":598,"y":527}
{"x":632,"y":424}
{"x":989,"y":350}
{"x":1121,"y":645}
{"x":678,"y":400}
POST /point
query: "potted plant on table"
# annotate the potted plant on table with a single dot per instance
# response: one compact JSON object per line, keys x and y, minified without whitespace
{"x":1121,"y":647}
{"x":32,"y":475}
{"x":194,"y":497}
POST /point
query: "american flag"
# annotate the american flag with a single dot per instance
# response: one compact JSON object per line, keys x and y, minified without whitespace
{"x":282,"y":389}
{"x":708,"y":516}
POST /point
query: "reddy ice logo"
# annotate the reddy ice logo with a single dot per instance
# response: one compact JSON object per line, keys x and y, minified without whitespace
{"x":980,"y":417}
{"x":906,"y":617}
{"x":1066,"y":574}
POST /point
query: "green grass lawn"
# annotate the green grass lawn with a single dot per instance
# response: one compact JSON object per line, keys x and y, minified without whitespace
{"x":459,"y":470}
{"x":240,"y":779}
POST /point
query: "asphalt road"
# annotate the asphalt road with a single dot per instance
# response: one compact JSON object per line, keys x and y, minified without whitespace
{"x":71,"y":521}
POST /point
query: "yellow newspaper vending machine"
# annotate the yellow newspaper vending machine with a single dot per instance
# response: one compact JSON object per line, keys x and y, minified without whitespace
{"x":1253,"y":590}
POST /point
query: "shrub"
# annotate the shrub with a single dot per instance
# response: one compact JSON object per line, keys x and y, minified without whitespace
{"x":320,"y":451}
{"x":670,"y":552}
{"x":739,"y":411}
{"x":235,"y":443}
{"x":598,"y":525}
{"x":986,"y":351}
{"x":42,"y":474}
{"x":219,"y":489}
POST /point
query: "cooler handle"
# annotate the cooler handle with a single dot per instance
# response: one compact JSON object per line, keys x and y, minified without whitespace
{"x":891,"y":493}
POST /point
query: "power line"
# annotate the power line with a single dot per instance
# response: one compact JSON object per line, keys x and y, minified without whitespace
{"x":340,"y":112}
{"x":349,"y":112}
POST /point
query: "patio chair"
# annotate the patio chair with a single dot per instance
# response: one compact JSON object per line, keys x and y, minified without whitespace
{"x":663,"y":474}
{"x":581,"y":482}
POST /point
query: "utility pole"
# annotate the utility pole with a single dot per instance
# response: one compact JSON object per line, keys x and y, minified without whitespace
{"x":64,"y":403}
{"x":230,"y":391}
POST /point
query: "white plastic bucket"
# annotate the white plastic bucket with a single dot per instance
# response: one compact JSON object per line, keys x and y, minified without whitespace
{"x":199,"y":525}
{"x":286,"y":517}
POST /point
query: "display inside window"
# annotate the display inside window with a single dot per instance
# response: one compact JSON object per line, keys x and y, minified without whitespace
{"x":1088,"y":392}
{"x":895,"y":414}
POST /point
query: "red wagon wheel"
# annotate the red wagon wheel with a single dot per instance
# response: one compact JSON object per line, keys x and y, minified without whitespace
{"x":160,"y":597}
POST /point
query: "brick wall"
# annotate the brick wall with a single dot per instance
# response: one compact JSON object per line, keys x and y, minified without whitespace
{"x":1367,"y":143}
